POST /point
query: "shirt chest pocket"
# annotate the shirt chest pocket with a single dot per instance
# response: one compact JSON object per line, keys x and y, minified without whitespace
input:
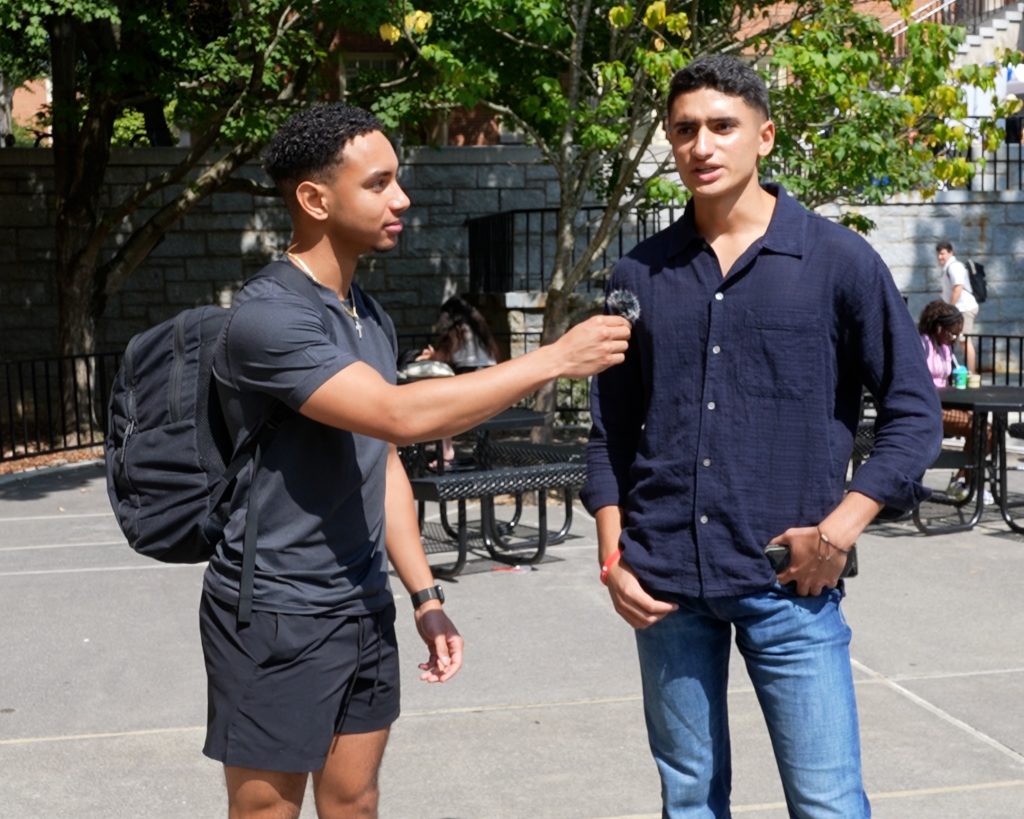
{"x":782,"y":354}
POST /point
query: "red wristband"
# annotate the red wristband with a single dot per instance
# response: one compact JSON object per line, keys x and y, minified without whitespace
{"x":607,"y":565}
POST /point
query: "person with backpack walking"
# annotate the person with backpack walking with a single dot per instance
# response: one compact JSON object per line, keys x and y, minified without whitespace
{"x":310,"y":683}
{"x":957,"y":290}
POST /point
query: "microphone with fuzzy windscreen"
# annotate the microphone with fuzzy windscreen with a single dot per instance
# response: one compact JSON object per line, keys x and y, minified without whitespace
{"x":624,"y":303}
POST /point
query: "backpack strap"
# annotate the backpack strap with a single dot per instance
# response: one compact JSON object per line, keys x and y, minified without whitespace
{"x":247,"y":580}
{"x":259,"y":438}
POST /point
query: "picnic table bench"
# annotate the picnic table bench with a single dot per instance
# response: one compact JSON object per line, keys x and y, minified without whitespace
{"x":502,"y":469}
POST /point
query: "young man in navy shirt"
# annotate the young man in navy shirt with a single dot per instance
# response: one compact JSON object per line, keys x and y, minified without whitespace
{"x":729,"y":427}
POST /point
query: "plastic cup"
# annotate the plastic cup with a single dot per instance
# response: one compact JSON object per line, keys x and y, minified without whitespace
{"x":960,"y":377}
{"x":974,"y":381}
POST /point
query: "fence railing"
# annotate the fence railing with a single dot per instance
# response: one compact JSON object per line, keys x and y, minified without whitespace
{"x":40,"y":413}
{"x":515,"y":249}
{"x":42,"y":410}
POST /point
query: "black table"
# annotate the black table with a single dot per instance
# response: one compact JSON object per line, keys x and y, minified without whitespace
{"x":991,"y":469}
{"x":415,"y":456}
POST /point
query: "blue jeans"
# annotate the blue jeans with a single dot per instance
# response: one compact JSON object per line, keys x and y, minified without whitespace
{"x":797,"y":655}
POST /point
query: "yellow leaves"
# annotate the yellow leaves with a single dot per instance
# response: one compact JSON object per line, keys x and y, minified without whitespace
{"x":946,"y":95}
{"x":658,"y":44}
{"x":655,"y":14}
{"x":415,"y":22}
{"x":418,"y":22}
{"x":620,"y":16}
{"x":677,"y":24}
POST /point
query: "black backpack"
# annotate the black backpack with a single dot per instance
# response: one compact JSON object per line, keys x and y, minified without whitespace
{"x":170,"y":460}
{"x":979,"y":287}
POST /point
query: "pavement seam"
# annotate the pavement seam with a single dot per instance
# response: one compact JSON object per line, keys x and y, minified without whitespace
{"x":887,"y":795}
{"x":921,"y":702}
{"x":62,"y":516}
{"x":38,"y":546}
{"x":93,"y":569}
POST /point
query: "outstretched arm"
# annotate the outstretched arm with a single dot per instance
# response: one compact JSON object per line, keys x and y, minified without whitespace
{"x":405,"y":550}
{"x":358,"y":399}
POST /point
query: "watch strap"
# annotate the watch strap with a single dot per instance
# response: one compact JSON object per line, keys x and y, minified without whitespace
{"x":429,"y":593}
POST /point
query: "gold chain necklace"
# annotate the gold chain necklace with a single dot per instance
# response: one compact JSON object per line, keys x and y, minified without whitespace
{"x":351,"y":312}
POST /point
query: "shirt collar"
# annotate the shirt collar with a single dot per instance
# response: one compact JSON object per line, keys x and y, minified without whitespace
{"x":785,"y":232}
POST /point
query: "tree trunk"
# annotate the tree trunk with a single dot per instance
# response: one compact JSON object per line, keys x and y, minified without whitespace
{"x":81,"y":153}
{"x":556,"y":322}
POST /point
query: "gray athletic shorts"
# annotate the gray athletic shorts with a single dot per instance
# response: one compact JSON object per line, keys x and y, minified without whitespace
{"x":280,"y":688}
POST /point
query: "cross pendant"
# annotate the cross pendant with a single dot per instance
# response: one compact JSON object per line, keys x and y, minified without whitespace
{"x":359,"y":328}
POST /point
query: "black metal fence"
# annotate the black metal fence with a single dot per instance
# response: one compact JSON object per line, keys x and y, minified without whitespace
{"x":514,"y":249}
{"x":40,"y":412}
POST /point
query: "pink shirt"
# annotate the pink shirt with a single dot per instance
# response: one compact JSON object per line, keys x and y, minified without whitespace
{"x":939,"y":359}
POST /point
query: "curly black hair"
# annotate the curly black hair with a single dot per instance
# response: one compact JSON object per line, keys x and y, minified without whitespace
{"x":309,"y":145}
{"x":939,"y":314}
{"x":724,"y":73}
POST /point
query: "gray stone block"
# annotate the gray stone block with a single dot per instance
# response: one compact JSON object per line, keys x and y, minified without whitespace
{"x":217,"y":221}
{"x":403,"y":298}
{"x":231,"y":203}
{"x":523,"y":199}
{"x":441,"y":240}
{"x":440,"y":176}
{"x":420,"y":197}
{"x":180,"y":244}
{"x":501,"y":176}
{"x":478,"y":202}
{"x":540,"y":172}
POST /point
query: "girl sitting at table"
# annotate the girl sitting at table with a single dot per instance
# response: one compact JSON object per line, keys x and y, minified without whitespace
{"x":940,"y":325}
{"x":464,"y":341}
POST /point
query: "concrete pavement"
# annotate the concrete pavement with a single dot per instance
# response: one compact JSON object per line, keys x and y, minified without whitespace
{"x":102,"y":691}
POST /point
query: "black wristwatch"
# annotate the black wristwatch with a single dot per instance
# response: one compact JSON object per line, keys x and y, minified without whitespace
{"x":432,"y":593}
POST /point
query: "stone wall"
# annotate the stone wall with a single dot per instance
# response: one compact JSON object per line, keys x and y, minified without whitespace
{"x":228,"y":236}
{"x":986,"y":227}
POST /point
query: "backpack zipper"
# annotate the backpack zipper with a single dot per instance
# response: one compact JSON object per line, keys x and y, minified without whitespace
{"x":129,"y":377}
{"x":174,"y":410}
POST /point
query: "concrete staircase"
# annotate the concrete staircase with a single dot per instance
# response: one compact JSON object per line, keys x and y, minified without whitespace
{"x":996,"y":34}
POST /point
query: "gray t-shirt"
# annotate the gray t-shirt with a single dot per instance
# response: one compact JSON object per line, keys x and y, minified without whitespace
{"x":320,"y":544}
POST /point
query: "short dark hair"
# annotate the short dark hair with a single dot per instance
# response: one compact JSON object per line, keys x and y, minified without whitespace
{"x":944,"y":245}
{"x":310,"y":144}
{"x":724,"y":73}
{"x":938,"y":314}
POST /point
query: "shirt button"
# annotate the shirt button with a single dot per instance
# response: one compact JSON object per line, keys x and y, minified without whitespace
{"x":711,"y":405}
{"x":707,"y":462}
{"x":703,"y":518}
{"x":716,"y":349}
{"x":719,"y":296}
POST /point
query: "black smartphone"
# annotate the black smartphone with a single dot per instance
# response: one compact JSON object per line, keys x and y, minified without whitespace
{"x":778,"y":556}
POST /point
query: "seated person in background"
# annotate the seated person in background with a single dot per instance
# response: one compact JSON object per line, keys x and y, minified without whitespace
{"x":940,"y":324}
{"x":463,"y":339}
{"x":464,"y":342}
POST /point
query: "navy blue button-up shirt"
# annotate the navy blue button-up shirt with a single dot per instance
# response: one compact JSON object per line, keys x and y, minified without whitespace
{"x":733,"y":416}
